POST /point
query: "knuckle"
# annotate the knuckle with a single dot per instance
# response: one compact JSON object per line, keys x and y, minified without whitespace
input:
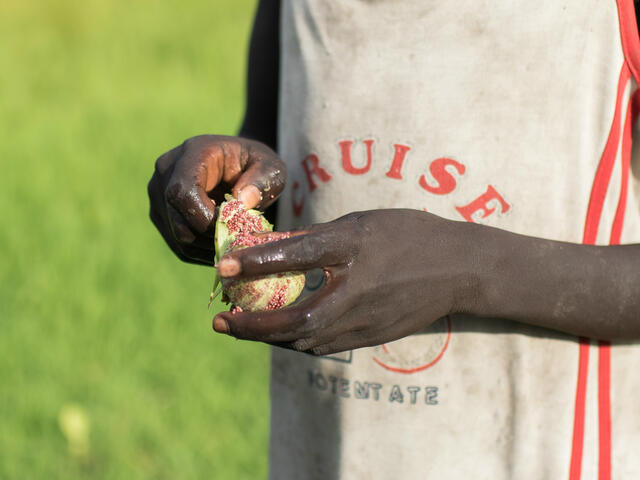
{"x":276,"y":171}
{"x":321,"y":350}
{"x":183,"y":234}
{"x":277,"y":166}
{"x":176,"y":192}
{"x":358,"y":222}
{"x":211,"y":151}
{"x":309,"y":249}
{"x":161,"y":165}
{"x":194,"y":142}
{"x":305,"y":324}
{"x":235,"y":330}
{"x":204,"y":146}
{"x":303,"y":344}
{"x":309,"y":322}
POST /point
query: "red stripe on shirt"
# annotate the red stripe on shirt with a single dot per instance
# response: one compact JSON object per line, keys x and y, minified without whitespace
{"x":603,"y":173}
{"x":629,"y":35}
{"x":604,"y":410}
{"x":599,"y":189}
{"x":631,"y":48}
{"x":575,"y":468}
{"x":604,"y":348}
{"x":627,"y":140}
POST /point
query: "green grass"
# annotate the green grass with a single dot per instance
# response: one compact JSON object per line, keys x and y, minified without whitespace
{"x":94,"y":308}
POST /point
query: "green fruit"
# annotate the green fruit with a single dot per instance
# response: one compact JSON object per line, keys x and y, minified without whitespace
{"x":235,"y":229}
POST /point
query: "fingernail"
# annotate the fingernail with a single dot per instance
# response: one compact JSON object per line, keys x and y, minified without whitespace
{"x":220,"y":325}
{"x":228,"y":267}
{"x":250,"y":196}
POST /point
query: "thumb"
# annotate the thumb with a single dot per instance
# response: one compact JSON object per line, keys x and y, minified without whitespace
{"x":262,"y":181}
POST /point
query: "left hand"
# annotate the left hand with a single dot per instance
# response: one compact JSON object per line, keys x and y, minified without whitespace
{"x":389,"y":274}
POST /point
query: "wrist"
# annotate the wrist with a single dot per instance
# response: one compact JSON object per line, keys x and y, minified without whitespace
{"x":483,"y":268}
{"x":517,"y":277}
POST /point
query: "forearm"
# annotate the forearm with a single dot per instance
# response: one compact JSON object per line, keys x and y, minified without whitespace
{"x":593,"y":291}
{"x":261,"y":116}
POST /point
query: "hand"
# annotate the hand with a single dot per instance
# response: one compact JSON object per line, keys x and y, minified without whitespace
{"x":389,"y":273}
{"x":190,"y":179}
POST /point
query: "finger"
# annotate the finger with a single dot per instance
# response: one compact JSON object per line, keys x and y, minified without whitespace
{"x":166,"y":235}
{"x":186,"y":254}
{"x":354,"y":339}
{"x":158,"y":214}
{"x":295,"y":232}
{"x":166,"y":160}
{"x":160,"y":217}
{"x":185,"y":235}
{"x":320,"y":248}
{"x":198,"y":170}
{"x":200,"y":250}
{"x":263,"y":179}
{"x":369,"y":337}
{"x":292,"y":324}
{"x":180,"y":228}
{"x":348,"y":341}
{"x":269,"y":326}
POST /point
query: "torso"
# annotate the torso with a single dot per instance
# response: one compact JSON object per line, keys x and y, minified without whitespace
{"x":498,"y":113}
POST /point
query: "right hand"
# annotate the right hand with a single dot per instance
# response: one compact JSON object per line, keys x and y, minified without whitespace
{"x":192,"y":178}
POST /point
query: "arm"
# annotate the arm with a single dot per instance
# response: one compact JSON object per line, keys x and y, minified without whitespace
{"x":263,"y":82}
{"x":390,"y":273}
{"x":261,"y":117}
{"x":586,"y":290}
{"x":382,"y":286}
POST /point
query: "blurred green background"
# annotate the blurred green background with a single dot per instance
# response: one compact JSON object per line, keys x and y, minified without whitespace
{"x":109,"y":368}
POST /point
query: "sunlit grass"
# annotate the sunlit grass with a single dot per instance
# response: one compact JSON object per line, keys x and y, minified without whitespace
{"x":95,"y":311}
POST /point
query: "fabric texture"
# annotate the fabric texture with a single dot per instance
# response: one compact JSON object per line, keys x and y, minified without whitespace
{"x":518,"y":115}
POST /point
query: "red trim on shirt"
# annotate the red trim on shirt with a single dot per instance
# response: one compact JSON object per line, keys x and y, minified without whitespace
{"x":633,"y":109}
{"x":603,"y":173}
{"x":604,"y":348}
{"x":575,"y":468}
{"x":604,"y":410}
{"x":592,"y":222}
{"x":629,"y":35}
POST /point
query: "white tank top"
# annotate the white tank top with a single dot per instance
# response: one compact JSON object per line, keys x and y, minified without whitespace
{"x":518,"y":115}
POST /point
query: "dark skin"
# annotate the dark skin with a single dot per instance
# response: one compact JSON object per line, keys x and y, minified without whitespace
{"x":380,"y":286}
